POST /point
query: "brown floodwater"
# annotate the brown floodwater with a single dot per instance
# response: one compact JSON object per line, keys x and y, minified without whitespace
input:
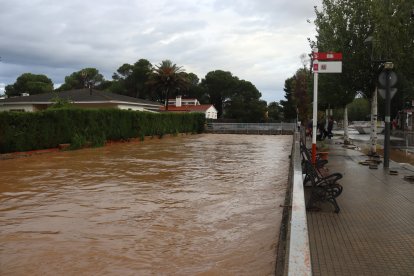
{"x":188,"y":205}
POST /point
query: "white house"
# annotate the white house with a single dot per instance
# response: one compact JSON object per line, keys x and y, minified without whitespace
{"x":190,"y":105}
{"x":84,"y":98}
{"x":179,"y":101}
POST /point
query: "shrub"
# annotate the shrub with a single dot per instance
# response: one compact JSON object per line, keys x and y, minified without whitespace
{"x":49,"y":128}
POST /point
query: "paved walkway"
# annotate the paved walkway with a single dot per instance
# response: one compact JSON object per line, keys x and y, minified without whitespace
{"x":374,"y":232}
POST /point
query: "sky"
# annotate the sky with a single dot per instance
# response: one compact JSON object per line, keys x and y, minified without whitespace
{"x":260,"y":41}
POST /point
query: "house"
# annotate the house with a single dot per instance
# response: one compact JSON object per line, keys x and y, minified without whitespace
{"x":190,"y":105}
{"x":85,"y":98}
{"x":180,"y":101}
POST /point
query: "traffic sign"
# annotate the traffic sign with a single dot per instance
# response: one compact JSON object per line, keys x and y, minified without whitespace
{"x":327,"y":56}
{"x":392,"y":78}
{"x":328,"y":67}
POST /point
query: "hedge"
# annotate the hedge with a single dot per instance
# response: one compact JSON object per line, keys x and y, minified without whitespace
{"x":24,"y":131}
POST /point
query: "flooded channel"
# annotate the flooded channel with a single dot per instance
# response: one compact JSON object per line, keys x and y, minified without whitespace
{"x":190,"y":205}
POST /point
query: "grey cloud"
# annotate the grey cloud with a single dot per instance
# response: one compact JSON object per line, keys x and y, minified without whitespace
{"x":57,"y":38}
{"x":277,"y":13}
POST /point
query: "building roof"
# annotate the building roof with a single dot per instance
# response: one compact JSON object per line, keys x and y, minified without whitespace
{"x":78,"y":96}
{"x":189,"y":108}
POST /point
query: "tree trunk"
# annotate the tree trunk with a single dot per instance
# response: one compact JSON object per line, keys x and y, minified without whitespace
{"x":374,"y":117}
{"x":346,"y":135}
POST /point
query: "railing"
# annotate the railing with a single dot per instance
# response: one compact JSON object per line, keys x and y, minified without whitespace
{"x":299,"y":260}
{"x":251,"y":128}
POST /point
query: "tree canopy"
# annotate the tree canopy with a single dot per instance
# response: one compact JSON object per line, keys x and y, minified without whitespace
{"x":87,"y":77}
{"x":131,"y":79}
{"x":289,"y":105}
{"x":343,"y":26}
{"x":244,"y":103}
{"x":195,"y":90}
{"x":367,"y":33}
{"x":233,"y":98}
{"x":31,"y":84}
{"x":392,"y":39}
{"x":166,"y":79}
{"x":219,"y":85}
{"x":298,"y":95}
{"x":274,"y":112}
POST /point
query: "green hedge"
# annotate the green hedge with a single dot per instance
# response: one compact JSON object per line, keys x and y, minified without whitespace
{"x":49,"y":128}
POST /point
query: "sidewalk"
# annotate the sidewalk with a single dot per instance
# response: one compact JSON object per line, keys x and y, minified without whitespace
{"x":373,"y":234}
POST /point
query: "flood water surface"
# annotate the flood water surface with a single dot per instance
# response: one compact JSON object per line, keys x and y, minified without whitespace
{"x":190,"y":205}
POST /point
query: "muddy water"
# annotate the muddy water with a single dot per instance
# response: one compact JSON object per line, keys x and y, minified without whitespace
{"x":193,"y":205}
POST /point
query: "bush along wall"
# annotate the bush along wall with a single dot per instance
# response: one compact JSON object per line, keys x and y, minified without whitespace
{"x":49,"y":128}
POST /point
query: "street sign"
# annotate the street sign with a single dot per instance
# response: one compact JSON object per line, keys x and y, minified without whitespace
{"x":333,"y":65}
{"x":383,"y":91}
{"x":327,"y":56}
{"x":328,"y":67}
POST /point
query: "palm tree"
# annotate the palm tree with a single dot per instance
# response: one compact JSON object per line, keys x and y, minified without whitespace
{"x":168,"y":77}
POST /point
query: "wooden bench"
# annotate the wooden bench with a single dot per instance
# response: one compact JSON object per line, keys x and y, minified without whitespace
{"x":324,"y":188}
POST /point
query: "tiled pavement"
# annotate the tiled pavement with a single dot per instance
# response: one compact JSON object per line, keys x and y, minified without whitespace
{"x":373,"y":234}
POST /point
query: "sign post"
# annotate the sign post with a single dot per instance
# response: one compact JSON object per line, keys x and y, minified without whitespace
{"x":387,"y":79}
{"x":315,"y":104}
{"x":322,"y":63}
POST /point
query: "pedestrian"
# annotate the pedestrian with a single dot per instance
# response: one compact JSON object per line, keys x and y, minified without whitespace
{"x":394,"y":124}
{"x":330,"y":127}
{"x":309,"y":129}
{"x":322,"y":131}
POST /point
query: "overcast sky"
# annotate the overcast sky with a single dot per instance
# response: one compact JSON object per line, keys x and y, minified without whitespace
{"x":256,"y":40}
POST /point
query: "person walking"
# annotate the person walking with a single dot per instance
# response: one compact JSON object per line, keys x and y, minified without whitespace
{"x":322,"y":131}
{"x":330,"y":127}
{"x":309,"y":129}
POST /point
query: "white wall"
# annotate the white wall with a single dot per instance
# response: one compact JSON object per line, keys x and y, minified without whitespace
{"x":17,"y":107}
{"x":130,"y":107}
{"x":211,"y":113}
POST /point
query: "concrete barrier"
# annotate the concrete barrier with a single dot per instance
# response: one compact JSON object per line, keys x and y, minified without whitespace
{"x":299,"y":260}
{"x":252,"y":128}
